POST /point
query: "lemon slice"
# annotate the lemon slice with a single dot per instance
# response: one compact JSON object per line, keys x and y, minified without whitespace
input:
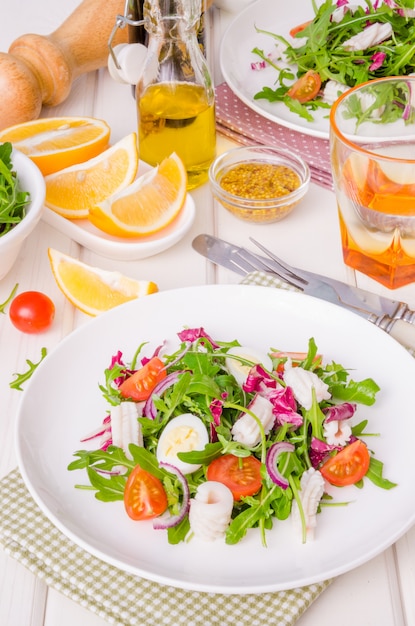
{"x":72,"y":191}
{"x":147,"y":205}
{"x":54,"y":143}
{"x":91,"y":289}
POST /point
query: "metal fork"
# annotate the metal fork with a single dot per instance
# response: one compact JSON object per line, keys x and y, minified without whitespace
{"x":298,"y":278}
{"x":276,"y":266}
{"x":249,"y":261}
{"x":330,"y":289}
{"x":392,"y":316}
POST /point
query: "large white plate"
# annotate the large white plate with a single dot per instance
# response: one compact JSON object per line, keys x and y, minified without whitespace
{"x":276,"y":16}
{"x":62,"y":403}
{"x":122,"y":249}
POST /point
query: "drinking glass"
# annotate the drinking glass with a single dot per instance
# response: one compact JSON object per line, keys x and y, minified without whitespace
{"x":372,"y":146}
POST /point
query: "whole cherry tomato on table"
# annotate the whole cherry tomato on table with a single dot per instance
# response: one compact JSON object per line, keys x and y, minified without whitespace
{"x":32,"y":312}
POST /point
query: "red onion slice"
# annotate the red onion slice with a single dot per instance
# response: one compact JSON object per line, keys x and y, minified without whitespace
{"x":271,"y":462}
{"x":166,"y":520}
{"x":100,"y":431}
{"x":149,"y":409}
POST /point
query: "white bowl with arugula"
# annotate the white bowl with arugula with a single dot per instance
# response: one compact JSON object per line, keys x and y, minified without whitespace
{"x":22,"y":198}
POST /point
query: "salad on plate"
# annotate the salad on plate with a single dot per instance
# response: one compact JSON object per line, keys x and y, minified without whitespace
{"x":209,"y":439}
{"x":346,"y":43}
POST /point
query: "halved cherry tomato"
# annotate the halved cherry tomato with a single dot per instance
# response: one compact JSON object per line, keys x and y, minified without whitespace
{"x":348,"y":466}
{"x":296,"y":358}
{"x":139,"y":385}
{"x":241,"y":475}
{"x":305,"y":88}
{"x":299,"y":28}
{"x":32,"y":312}
{"x":144,"y":495}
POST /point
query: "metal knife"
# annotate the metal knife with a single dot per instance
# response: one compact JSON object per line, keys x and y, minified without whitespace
{"x":394,"y":317}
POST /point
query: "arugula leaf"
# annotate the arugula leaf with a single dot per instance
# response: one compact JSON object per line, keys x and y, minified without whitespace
{"x":315,"y":417}
{"x":108,"y":489}
{"x":210,"y":452}
{"x":9,"y":299}
{"x":103,"y":470}
{"x":203,"y":384}
{"x":13,"y":200}
{"x":240,"y":525}
{"x":317,"y":31}
{"x":363,"y":392}
{"x":260,"y":510}
{"x":109,"y":391}
{"x":297,"y":107}
{"x":375,"y":474}
{"x":22,"y":378}
{"x":178,"y":533}
{"x":105,"y":460}
{"x":146,"y":460}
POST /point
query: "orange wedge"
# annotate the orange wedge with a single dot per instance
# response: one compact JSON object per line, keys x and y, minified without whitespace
{"x":91,"y":289}
{"x":71,"y":192}
{"x":57,"y":142}
{"x":146,"y":206}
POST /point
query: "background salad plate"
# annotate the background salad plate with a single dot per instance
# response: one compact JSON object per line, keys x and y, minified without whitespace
{"x":56,"y":411}
{"x":236,"y":56}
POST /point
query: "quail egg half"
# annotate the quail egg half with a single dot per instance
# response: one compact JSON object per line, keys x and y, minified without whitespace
{"x":183,"y":433}
{"x":240,"y":370}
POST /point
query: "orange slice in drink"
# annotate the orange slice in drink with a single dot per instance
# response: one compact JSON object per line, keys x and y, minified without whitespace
{"x":91,"y":289}
{"x":54,"y":143}
{"x":146,"y":206}
{"x":71,"y":192}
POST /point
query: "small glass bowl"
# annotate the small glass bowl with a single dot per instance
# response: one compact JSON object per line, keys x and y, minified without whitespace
{"x":260,"y":208}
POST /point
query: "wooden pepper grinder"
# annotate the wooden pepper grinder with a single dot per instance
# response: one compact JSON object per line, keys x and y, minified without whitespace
{"x":39,"y":70}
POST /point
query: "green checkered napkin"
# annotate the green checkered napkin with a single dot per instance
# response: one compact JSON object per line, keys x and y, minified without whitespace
{"x":123,"y":599}
{"x":266,"y":280}
{"x":120,"y":598}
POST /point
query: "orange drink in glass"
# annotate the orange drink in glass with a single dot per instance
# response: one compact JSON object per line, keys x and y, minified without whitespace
{"x":372,"y":145}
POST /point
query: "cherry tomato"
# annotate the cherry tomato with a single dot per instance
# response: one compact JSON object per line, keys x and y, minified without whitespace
{"x":306,"y":88}
{"x":139,"y":385}
{"x":32,"y":312}
{"x":299,"y":28}
{"x":296,"y":358}
{"x":144,"y":495}
{"x":241,"y":475}
{"x":348,"y":466}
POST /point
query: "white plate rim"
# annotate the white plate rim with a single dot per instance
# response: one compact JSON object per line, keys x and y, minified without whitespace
{"x":290,"y":301}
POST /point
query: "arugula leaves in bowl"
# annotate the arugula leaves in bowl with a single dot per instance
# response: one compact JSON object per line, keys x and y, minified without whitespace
{"x":13,"y":200}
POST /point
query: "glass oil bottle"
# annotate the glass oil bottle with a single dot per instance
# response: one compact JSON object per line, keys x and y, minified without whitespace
{"x":175,"y":95}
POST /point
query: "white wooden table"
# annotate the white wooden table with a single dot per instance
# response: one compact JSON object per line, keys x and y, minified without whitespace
{"x":376,"y":594}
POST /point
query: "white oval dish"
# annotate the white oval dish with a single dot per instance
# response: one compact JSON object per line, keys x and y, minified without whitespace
{"x":85,"y":233}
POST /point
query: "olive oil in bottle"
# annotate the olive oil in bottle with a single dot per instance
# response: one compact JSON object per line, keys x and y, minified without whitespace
{"x":175,"y":96}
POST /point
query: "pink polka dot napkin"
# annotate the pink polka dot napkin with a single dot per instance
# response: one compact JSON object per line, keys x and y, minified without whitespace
{"x":236,"y":120}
